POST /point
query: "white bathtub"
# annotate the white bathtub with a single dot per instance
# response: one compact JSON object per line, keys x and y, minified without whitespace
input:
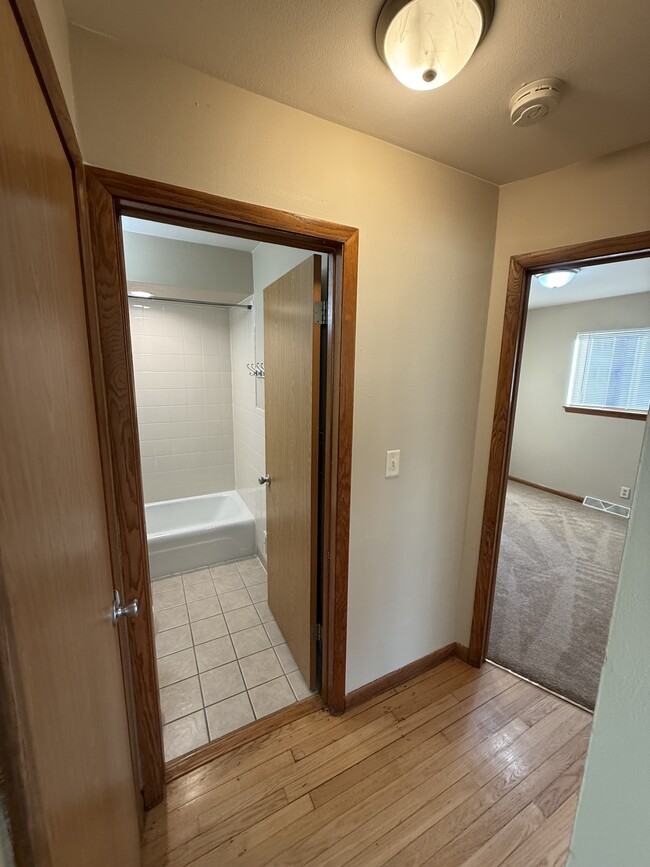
{"x":198,"y":531}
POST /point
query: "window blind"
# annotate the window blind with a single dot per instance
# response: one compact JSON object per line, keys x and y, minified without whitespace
{"x":611,"y":370}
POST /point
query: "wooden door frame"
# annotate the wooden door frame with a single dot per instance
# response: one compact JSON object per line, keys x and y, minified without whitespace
{"x":522,"y":268}
{"x":111,"y":195}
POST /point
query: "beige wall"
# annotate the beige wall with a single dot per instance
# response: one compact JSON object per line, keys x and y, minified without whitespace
{"x":426,"y":244}
{"x":612,"y":825}
{"x":596,"y":199}
{"x":580,"y":454}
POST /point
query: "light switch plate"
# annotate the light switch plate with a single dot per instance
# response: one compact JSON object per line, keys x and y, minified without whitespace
{"x":392,"y":463}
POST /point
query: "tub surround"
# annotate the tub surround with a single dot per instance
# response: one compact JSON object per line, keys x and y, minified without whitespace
{"x":181,"y":358}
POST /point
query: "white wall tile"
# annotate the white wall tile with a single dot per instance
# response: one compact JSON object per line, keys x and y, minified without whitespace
{"x":173,"y":344}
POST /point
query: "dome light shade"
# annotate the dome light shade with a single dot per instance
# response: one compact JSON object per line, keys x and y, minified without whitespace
{"x":557,"y":279}
{"x":425,"y":43}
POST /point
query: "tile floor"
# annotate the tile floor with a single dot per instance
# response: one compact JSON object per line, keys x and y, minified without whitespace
{"x":222,"y":659}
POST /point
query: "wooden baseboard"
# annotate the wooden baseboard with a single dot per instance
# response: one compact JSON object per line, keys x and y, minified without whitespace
{"x":394,"y":678}
{"x":462,"y":652}
{"x":183,"y":765}
{"x":548,"y":490}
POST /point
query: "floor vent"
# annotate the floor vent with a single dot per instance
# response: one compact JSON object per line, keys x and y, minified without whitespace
{"x":604,"y":506}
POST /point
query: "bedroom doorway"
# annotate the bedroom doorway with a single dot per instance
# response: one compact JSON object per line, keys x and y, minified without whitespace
{"x":573,"y":394}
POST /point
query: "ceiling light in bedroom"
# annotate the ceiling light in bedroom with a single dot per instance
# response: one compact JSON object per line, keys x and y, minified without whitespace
{"x":557,"y":279}
{"x":425,"y":43}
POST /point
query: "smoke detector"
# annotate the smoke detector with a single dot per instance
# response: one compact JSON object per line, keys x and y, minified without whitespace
{"x":535,"y":101}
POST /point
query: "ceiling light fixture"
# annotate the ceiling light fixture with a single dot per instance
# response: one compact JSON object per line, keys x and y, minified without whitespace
{"x":557,"y":279}
{"x":425,"y":43}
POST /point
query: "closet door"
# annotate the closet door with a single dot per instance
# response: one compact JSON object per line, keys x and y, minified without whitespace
{"x":72,"y":801}
{"x":291,"y":361}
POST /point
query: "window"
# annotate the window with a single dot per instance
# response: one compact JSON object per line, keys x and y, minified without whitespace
{"x":610,"y":373}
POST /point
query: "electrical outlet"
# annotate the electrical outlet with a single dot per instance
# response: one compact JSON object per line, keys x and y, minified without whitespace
{"x":392,"y":463}
{"x":625,"y":493}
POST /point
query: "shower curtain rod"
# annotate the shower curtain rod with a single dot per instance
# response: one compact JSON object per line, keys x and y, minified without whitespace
{"x":147,"y":296}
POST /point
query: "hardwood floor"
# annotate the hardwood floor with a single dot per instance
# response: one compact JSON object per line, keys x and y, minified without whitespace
{"x":455,"y":767}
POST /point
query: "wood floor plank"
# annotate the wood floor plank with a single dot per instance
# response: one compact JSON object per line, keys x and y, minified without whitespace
{"x":509,"y":838}
{"x":430,"y":777}
{"x":458,"y":766}
{"x":561,"y":788}
{"x":462,"y":847}
{"x":240,"y":843}
{"x":545,"y":846}
{"x":208,"y":840}
{"x":419,"y":839}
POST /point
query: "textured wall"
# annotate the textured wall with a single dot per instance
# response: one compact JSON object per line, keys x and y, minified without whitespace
{"x":426,"y":245}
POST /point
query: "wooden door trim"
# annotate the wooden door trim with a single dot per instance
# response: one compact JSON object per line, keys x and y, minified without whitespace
{"x":112,"y":195}
{"x":522,"y":268}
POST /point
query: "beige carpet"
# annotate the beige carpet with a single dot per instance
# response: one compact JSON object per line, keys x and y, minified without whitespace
{"x":558,"y":568}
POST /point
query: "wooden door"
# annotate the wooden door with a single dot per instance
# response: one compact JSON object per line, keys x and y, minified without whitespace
{"x":62,"y":688}
{"x":291,"y":362}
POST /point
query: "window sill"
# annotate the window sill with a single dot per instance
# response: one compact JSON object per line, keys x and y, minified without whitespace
{"x":612,"y":413}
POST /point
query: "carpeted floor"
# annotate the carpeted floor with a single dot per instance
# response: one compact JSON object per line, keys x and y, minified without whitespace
{"x":558,"y":568}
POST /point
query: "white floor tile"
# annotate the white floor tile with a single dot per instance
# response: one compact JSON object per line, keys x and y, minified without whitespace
{"x":274,"y":632}
{"x":225,"y":582}
{"x":264,"y":611}
{"x":222,"y":682}
{"x":176,"y":666}
{"x":184,"y":735}
{"x":250,"y":641}
{"x":173,"y":640}
{"x":271,"y":696}
{"x":180,"y":699}
{"x":204,"y":608}
{"x":212,"y":654}
{"x":287,"y":661}
{"x":200,"y":590}
{"x":234,"y":599}
{"x":242,"y":618}
{"x":168,"y":599}
{"x":228,"y":715}
{"x":211,"y":627}
{"x":169,"y":618}
{"x":298,"y":685}
{"x":260,"y":668}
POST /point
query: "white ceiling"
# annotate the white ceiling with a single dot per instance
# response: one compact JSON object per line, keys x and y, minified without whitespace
{"x":319,"y":56}
{"x":597,"y":281}
{"x":181,"y":233}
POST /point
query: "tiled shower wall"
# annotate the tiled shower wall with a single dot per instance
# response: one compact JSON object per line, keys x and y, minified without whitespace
{"x":248,"y":421}
{"x":181,"y":357}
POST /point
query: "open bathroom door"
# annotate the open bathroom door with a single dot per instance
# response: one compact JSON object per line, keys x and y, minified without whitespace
{"x":291,"y":361}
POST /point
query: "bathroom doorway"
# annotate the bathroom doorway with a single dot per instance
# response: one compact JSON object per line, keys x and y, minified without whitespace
{"x":228,"y":366}
{"x":235,"y":601}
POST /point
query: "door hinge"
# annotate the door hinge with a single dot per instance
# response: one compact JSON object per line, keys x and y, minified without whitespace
{"x":320,"y":312}
{"x":317,"y":632}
